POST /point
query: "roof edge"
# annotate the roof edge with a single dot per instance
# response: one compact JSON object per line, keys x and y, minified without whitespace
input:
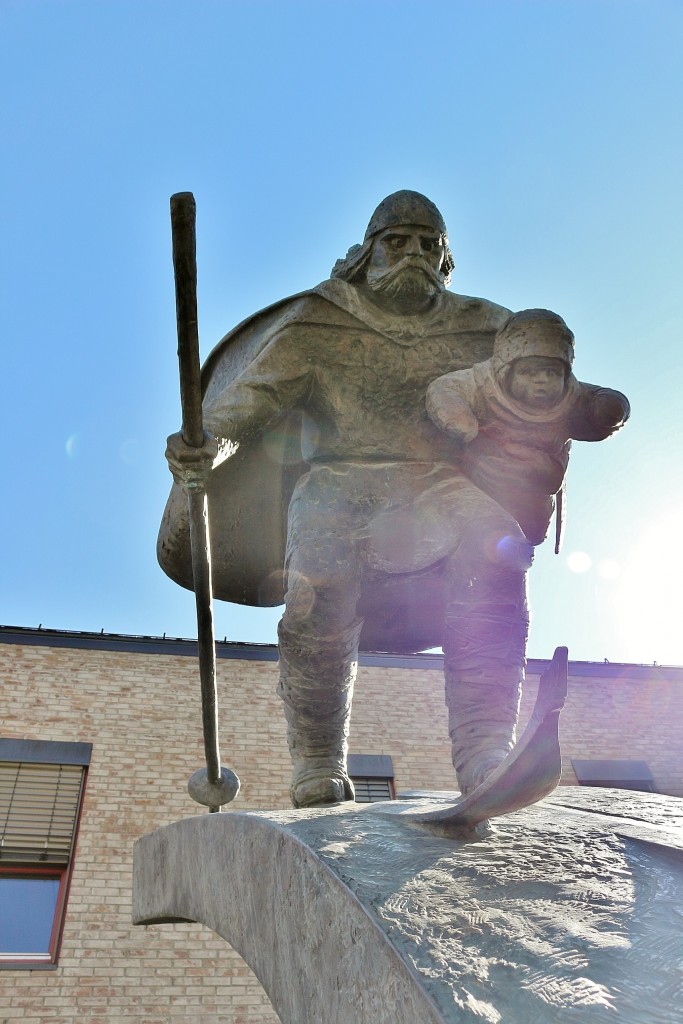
{"x":235,"y":650}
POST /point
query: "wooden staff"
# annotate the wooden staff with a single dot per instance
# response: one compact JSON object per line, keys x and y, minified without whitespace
{"x":213,"y":786}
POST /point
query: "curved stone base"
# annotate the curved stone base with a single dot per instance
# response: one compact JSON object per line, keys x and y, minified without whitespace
{"x":571,"y":910}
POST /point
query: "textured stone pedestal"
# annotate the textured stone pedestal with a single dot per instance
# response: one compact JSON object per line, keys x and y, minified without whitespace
{"x":571,"y":910}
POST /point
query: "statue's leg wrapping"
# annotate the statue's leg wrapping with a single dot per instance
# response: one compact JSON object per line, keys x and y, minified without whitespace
{"x":318,"y":637}
{"x":316,"y":684}
{"x":487,"y":624}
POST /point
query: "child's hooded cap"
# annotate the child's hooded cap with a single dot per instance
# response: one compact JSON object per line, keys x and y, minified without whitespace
{"x":532,"y":332}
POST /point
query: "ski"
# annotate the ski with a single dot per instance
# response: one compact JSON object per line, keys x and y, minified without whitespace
{"x":531,"y":770}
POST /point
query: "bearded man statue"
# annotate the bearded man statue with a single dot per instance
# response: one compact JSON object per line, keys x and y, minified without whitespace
{"x":329,"y":485}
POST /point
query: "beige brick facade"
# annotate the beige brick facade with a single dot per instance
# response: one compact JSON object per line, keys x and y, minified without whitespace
{"x":137,"y":702}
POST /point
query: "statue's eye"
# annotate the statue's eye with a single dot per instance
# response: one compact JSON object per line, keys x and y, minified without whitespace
{"x":397,"y":241}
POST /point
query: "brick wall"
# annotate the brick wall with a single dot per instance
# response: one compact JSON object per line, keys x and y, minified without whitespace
{"x":635,"y":714}
{"x":141,"y":715}
{"x":138,"y":704}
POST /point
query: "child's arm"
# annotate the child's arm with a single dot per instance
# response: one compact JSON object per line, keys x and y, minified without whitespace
{"x":450,"y":408}
{"x":598,"y":413}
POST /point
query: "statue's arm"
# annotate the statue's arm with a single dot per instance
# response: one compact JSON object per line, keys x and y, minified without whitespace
{"x":191,"y":466}
{"x":451,"y":405}
{"x":277,"y":381}
{"x":598,"y":413}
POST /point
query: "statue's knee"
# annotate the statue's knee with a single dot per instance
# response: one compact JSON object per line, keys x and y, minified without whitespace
{"x":501,"y":542}
{"x":300,"y":597}
{"x":512,"y":550}
{"x":327,"y":604}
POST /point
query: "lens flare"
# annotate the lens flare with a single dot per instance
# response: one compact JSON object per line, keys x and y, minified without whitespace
{"x":73,"y":446}
{"x":129,"y":451}
{"x":513,"y":553}
{"x":579,"y":561}
{"x":282,"y":444}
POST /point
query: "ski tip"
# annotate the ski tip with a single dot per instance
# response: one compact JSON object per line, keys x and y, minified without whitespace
{"x":559,"y":664}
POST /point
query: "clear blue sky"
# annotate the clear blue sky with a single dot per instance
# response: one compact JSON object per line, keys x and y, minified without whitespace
{"x":549,"y":132}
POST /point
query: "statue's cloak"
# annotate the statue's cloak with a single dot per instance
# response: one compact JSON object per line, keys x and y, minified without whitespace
{"x":249,"y":494}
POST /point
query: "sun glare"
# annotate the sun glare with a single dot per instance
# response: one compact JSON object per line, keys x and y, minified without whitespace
{"x":648,"y":594}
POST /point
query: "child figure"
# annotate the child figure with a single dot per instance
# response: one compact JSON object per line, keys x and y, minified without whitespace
{"x":516,"y":414}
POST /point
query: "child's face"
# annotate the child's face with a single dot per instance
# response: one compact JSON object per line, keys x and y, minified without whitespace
{"x":536,"y":381}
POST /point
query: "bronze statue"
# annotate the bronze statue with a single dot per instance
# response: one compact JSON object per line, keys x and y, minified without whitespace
{"x":330,"y":485}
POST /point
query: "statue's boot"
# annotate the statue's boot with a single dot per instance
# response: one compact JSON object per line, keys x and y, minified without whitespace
{"x":482,"y":719}
{"x":316,"y":684}
{"x":487,"y":624}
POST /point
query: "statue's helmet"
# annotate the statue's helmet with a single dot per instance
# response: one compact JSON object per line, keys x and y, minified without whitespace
{"x":397,"y":210}
{"x":532,"y":332}
{"x":406,"y":207}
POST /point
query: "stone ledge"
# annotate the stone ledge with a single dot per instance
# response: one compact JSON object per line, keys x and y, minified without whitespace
{"x":352,"y":915}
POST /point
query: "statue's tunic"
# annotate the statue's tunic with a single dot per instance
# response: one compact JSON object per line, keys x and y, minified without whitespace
{"x":357,"y":377}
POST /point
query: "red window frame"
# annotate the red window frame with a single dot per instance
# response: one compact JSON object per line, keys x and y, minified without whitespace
{"x":52,"y":753}
{"x":49,"y":959}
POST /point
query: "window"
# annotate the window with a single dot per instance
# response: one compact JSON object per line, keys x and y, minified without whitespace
{"x":372,"y":776}
{"x":616,"y":774}
{"x":41,"y":793}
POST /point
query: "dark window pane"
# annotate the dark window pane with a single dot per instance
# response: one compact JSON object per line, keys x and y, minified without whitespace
{"x":615,"y":774}
{"x":27,"y":913}
{"x":370,"y":791}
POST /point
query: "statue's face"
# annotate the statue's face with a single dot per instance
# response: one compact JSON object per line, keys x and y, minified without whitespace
{"x":537,"y":381}
{"x":394,"y":244}
{"x":403,"y":270}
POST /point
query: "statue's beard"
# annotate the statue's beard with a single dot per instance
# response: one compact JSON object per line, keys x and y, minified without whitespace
{"x":409,"y":286}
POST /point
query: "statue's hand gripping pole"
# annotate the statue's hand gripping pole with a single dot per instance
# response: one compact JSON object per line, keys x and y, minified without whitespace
{"x":214,"y":785}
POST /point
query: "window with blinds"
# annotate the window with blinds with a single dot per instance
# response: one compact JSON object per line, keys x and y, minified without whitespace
{"x":370,"y":791}
{"x":41,"y":793}
{"x":39,"y":806}
{"x":372,"y":776}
